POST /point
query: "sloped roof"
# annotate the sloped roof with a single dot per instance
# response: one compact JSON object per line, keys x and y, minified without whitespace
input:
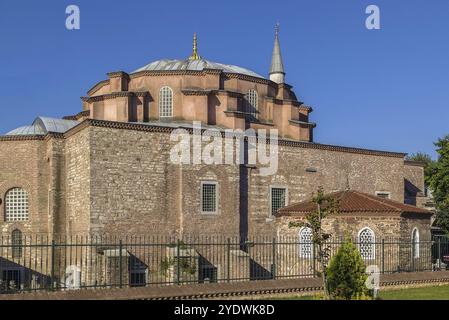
{"x":44,"y":125}
{"x":354,"y":202}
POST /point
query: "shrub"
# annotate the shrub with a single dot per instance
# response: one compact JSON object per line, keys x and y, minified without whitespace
{"x":346,"y":274}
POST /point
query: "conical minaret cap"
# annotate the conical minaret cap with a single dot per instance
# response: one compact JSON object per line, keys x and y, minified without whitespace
{"x":277,"y":65}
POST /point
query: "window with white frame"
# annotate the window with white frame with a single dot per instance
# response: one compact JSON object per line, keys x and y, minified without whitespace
{"x":278,"y":199}
{"x":252,"y":104}
{"x":16,"y":205}
{"x":166,"y":102}
{"x":367,"y":245}
{"x":306,"y":243}
{"x":415,"y":243}
{"x":209,"y":197}
{"x":383,"y":194}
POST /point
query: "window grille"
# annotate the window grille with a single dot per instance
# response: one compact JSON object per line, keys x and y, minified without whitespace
{"x":16,"y":205}
{"x":306,"y":243}
{"x":166,"y":103}
{"x":367,"y":245}
{"x":209,"y":197}
{"x":278,"y":199}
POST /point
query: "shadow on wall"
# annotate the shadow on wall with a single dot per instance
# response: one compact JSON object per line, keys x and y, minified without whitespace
{"x":411,"y":192}
{"x":15,"y":277}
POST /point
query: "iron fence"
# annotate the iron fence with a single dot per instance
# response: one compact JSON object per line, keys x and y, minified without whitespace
{"x":61,"y":263}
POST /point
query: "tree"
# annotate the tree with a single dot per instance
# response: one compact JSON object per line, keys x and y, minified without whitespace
{"x":439,"y":183}
{"x":346,"y":274}
{"x":325,"y":206}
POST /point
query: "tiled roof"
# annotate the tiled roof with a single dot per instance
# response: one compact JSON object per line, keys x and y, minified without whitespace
{"x":354,"y":202}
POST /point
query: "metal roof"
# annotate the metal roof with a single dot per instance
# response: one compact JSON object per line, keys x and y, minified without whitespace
{"x":195,"y":65}
{"x":44,"y":125}
{"x":277,"y":65}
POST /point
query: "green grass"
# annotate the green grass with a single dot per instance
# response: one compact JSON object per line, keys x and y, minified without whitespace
{"x":425,"y":293}
{"x":428,"y":293}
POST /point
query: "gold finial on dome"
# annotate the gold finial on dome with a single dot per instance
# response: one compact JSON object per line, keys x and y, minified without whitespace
{"x":195,"y":55}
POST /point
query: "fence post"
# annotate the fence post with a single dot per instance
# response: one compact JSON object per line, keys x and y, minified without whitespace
{"x":383,"y":256}
{"x":228,"y":263}
{"x":120,"y":264}
{"x":439,"y":252}
{"x":178,"y":262}
{"x":53,"y":258}
{"x":314,"y":258}
{"x":274,"y":259}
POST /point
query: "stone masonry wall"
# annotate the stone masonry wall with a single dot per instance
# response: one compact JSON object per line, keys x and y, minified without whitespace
{"x":24,"y":164}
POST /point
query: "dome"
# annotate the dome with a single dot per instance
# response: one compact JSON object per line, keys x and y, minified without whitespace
{"x":195,"y":65}
{"x":27,"y":131}
{"x":42,"y":125}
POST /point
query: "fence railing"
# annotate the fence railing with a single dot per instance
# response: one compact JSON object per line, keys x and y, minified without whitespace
{"x":41,"y":263}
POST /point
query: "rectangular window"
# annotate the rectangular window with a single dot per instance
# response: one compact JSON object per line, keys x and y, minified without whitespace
{"x":278,"y":199}
{"x":383,"y":194}
{"x":209,"y":197}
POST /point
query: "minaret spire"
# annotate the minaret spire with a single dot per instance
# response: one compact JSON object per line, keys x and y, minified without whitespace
{"x":195,"y":55}
{"x":277,"y":73}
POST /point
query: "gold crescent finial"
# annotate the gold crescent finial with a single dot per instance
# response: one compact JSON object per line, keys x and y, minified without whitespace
{"x":195,"y":55}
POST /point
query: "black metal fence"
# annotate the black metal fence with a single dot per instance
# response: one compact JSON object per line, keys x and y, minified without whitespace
{"x":41,"y":263}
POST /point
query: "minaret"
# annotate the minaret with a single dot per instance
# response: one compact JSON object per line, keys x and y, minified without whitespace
{"x":277,"y":73}
{"x":195,"y":55}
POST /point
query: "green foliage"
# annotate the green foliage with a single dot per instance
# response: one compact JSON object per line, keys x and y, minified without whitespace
{"x":438,"y":182}
{"x":346,"y":275}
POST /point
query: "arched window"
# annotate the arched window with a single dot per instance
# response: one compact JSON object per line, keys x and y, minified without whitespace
{"x":16,"y":242}
{"x":367,"y":244}
{"x":305,"y":243}
{"x":252,"y":104}
{"x":16,"y":205}
{"x":415,"y":243}
{"x":166,"y":102}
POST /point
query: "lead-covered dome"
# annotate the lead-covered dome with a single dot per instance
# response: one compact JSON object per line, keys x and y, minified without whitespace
{"x":195,"y":65}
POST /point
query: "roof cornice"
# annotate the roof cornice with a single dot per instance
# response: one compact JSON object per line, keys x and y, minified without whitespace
{"x":22,"y":138}
{"x":120,"y":94}
{"x":152,"y":128}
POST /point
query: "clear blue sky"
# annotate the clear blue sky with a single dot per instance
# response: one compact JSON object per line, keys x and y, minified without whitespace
{"x":382,"y":89}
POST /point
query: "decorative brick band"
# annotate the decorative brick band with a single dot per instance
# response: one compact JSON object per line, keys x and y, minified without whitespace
{"x":302,"y":123}
{"x":118,"y":74}
{"x":161,"y":129}
{"x":195,"y":92}
{"x":114,"y":95}
{"x":97,"y":87}
{"x":81,"y":114}
{"x":247,"y":78}
{"x":22,"y":138}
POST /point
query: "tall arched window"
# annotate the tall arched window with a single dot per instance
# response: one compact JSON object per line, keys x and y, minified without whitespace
{"x":252,"y":104}
{"x":367,"y":244}
{"x":16,"y":242}
{"x":305,"y":243}
{"x":165,"y":102}
{"x":415,"y":243}
{"x":16,"y":205}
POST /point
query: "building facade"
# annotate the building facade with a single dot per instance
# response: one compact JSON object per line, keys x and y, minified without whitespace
{"x":108,"y":169}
